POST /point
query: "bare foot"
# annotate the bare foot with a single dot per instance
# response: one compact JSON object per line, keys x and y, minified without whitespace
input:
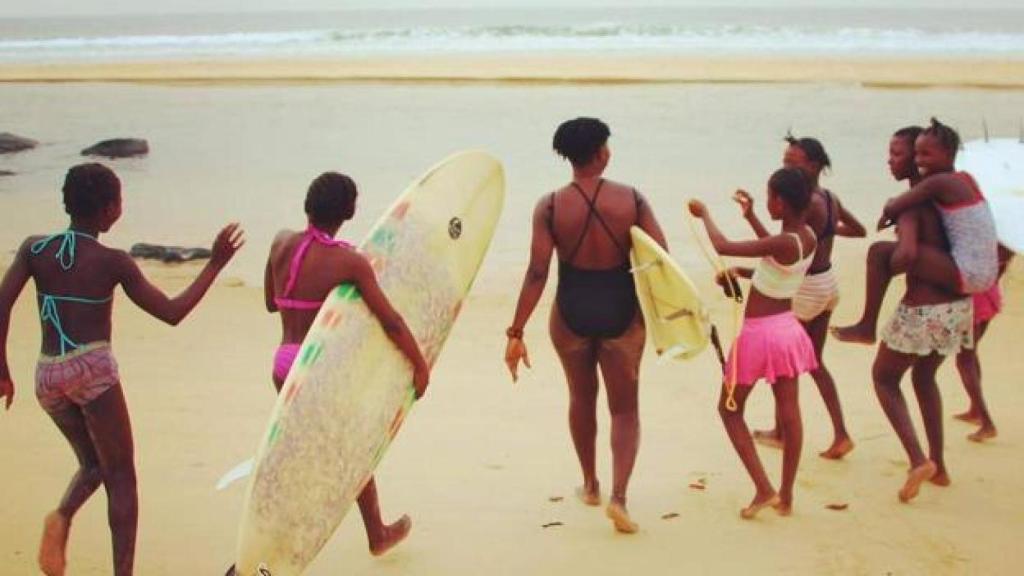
{"x":855,"y":334}
{"x":769,"y":438}
{"x":55,"y":540}
{"x":784,"y":507}
{"x":393,"y":534}
{"x":940,"y":478}
{"x":837,"y":450}
{"x":620,"y":517}
{"x":983,"y":433}
{"x":759,"y":503}
{"x":588,"y":496}
{"x":914,"y":479}
{"x":969,"y":416}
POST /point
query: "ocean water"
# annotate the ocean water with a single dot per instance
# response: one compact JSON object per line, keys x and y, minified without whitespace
{"x":728,"y":31}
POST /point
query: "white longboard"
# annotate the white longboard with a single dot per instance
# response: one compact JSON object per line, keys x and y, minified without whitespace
{"x":350,"y":387}
{"x":998,"y":167}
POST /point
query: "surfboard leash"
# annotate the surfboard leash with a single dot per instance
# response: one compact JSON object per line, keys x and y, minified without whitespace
{"x":720,"y":266}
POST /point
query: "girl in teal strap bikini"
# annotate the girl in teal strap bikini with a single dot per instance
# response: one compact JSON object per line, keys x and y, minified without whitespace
{"x":77,"y":381}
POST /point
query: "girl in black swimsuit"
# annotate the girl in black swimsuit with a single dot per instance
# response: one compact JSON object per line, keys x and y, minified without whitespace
{"x":595,"y":322}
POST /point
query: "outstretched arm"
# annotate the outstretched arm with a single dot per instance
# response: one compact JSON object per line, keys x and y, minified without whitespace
{"x":778,"y":246}
{"x":391,"y":321}
{"x":173,"y":310}
{"x":542,"y":246}
{"x":14,"y":281}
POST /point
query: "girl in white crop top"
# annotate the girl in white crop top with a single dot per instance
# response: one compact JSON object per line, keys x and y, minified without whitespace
{"x":781,"y":281}
{"x":772,"y":344}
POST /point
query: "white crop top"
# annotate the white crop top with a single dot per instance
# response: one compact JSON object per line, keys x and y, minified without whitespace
{"x":782,"y":281}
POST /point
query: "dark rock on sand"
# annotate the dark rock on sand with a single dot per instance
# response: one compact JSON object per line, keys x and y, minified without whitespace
{"x":118,"y":148}
{"x":168,"y":253}
{"x":6,"y":173}
{"x":12,"y":143}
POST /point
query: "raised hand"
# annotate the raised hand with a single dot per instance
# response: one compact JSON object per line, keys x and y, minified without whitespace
{"x":745,"y":200}
{"x":227,"y":243}
{"x":697,"y":208}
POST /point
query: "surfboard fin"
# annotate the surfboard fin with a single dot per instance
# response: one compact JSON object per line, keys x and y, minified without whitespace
{"x":241,"y":470}
{"x":670,"y":354}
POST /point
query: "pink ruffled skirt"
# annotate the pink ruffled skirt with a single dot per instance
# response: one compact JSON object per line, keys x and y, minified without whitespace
{"x":987,"y":304}
{"x":770,"y":347}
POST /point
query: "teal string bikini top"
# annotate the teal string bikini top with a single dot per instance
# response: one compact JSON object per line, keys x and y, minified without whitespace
{"x":48,"y":306}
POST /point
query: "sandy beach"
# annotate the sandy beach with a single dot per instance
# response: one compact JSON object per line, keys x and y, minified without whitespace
{"x":486,"y":468}
{"x":545,"y":69}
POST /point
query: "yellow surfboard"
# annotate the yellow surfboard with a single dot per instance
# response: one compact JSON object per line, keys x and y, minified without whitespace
{"x":350,"y":387}
{"x":678,"y":324}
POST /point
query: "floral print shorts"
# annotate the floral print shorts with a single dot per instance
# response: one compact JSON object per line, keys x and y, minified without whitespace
{"x":944,"y":329}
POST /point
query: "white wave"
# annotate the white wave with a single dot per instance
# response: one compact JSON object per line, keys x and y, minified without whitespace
{"x":599,"y":36}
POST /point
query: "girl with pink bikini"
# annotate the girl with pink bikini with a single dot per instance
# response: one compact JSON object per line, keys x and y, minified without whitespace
{"x":302,"y":269}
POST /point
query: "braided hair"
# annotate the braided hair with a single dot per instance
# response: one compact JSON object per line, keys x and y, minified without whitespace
{"x":813,"y":148}
{"x":947,"y":136}
{"x":89,"y":188}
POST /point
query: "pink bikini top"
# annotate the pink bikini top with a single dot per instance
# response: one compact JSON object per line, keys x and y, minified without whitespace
{"x":309,"y":236}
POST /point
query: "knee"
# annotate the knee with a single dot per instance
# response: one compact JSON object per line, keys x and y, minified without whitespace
{"x":91,"y":474}
{"x":885,"y":377}
{"x":121,"y":480}
{"x":585,"y":406}
{"x":922,"y":380}
{"x":901,"y":261}
{"x":623,"y":408}
{"x":881,"y":251}
{"x":789,"y":414}
{"x":727,"y":415}
{"x":821,"y":372}
{"x":882,"y":384}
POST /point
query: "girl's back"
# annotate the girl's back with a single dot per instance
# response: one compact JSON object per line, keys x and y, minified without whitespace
{"x":75,"y":282}
{"x":580,"y":236}
{"x":311,"y":275}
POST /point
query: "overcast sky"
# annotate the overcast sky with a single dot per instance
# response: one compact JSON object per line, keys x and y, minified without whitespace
{"x":9,"y":8}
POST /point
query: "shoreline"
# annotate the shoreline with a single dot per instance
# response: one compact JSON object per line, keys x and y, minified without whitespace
{"x":541,"y":69}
